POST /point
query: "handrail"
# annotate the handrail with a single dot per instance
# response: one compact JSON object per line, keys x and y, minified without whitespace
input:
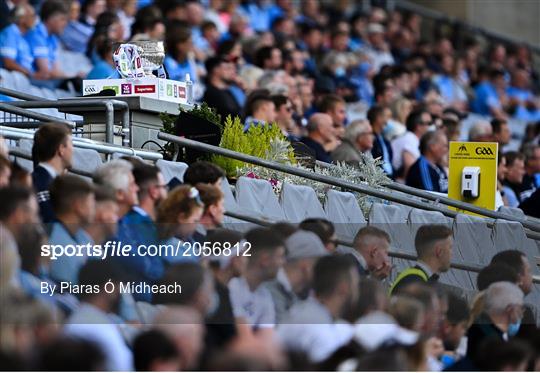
{"x":365,"y":189}
{"x":394,"y":254}
{"x":18,"y":134}
{"x":109,"y":104}
{"x":20,"y":95}
{"x":440,"y":16}
{"x":14,"y":109}
{"x":443,"y":200}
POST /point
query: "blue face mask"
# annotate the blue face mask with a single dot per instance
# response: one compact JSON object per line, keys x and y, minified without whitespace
{"x":513,"y":328}
{"x":340,"y":72}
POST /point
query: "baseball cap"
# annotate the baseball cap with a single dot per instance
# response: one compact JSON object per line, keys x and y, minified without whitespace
{"x":304,"y":244}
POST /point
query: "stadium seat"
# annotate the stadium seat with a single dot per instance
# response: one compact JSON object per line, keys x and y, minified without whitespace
{"x":256,"y":197}
{"x":342,"y":209}
{"x":300,"y":202}
{"x":87,"y":160}
{"x":170,"y":169}
{"x":512,"y":211}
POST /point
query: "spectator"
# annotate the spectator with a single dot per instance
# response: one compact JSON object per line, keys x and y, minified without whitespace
{"x":406,"y":148}
{"x":5,"y":171}
{"x":184,"y":326}
{"x":20,"y":176}
{"x":72,"y":354}
{"x":126,"y":13}
{"x":451,"y":91}
{"x":381,"y":147}
{"x":321,"y":136}
{"x":269,"y":58}
{"x":177,"y":218}
{"x":108,"y":27}
{"x":370,"y":251}
{"x":531,"y":180}
{"x":178,"y":60}
{"x":481,"y":131}
{"x":251,"y":301}
{"x":73,"y":202}
{"x":294,"y":280}
{"x":18,"y":208}
{"x":503,"y":310}
{"x":148,"y":24}
{"x":219,"y":74}
{"x":259,"y":109}
{"x":378,"y":50}
{"x":334,"y":106}
{"x":531,"y":206}
{"x":495,"y":272}
{"x":44,"y":44}
{"x":519,"y":262}
{"x":488,"y":95}
{"x":284,"y":116}
{"x":324,"y":229}
{"x":497,"y":355}
{"x":52,"y":152}
{"x":197,"y":288}
{"x":501,"y":132}
{"x":204,"y":172}
{"x":153,"y":351}
{"x":358,"y":138}
{"x":106,"y":216}
{"x":104,"y":65}
{"x":224,"y":268}
{"x":313,"y":326}
{"x":434,"y":249}
{"x":427,"y":172}
{"x":15,"y":52}
{"x":454,"y":328}
{"x":214,"y":210}
{"x":92,"y":320}
{"x":77,"y":33}
{"x":515,"y":171}
{"x":521,"y":97}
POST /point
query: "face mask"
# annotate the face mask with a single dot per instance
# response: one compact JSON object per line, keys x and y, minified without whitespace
{"x":340,"y":72}
{"x":513,"y":328}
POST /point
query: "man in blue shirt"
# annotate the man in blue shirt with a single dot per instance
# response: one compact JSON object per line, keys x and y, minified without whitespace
{"x":14,"y":50}
{"x":487,"y":101}
{"x":44,"y":42}
{"x":177,"y":61}
{"x":427,"y":173}
{"x":382,"y":148}
{"x":73,"y":202}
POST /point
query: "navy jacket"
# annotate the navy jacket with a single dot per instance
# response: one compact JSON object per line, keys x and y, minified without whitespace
{"x":377,"y":152}
{"x":41,"y":179}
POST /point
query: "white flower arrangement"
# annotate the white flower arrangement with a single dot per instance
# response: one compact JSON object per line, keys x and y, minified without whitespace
{"x":368,"y":171}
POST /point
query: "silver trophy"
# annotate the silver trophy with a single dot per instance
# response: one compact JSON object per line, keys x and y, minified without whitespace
{"x":152,"y":54}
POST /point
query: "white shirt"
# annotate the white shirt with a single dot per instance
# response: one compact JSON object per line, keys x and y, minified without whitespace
{"x":91,"y":323}
{"x":407,"y":142}
{"x":257,"y":306}
{"x":310,"y":328}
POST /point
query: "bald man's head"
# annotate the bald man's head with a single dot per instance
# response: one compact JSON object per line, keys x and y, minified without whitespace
{"x":320,"y":126}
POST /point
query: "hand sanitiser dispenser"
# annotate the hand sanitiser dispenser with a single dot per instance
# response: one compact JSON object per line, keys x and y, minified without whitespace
{"x":470,"y":182}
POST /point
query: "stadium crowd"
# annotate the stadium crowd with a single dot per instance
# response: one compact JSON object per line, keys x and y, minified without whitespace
{"x":299,"y":301}
{"x":279,"y":297}
{"x":374,"y":80}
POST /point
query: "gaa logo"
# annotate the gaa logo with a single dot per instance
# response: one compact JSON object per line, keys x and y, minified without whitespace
{"x":90,"y":89}
{"x":484,"y":151}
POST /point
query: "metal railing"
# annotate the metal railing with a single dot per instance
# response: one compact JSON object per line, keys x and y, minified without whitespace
{"x":437,"y":198}
{"x":110,"y":105}
{"x":532,"y":228}
{"x":16,"y":110}
{"x":78,"y":142}
{"x":342,"y":242}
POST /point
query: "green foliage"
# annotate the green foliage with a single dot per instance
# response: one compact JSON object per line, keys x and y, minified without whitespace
{"x":257,"y":141}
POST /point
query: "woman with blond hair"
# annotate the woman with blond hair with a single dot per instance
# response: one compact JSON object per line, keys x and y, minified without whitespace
{"x":177,"y":219}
